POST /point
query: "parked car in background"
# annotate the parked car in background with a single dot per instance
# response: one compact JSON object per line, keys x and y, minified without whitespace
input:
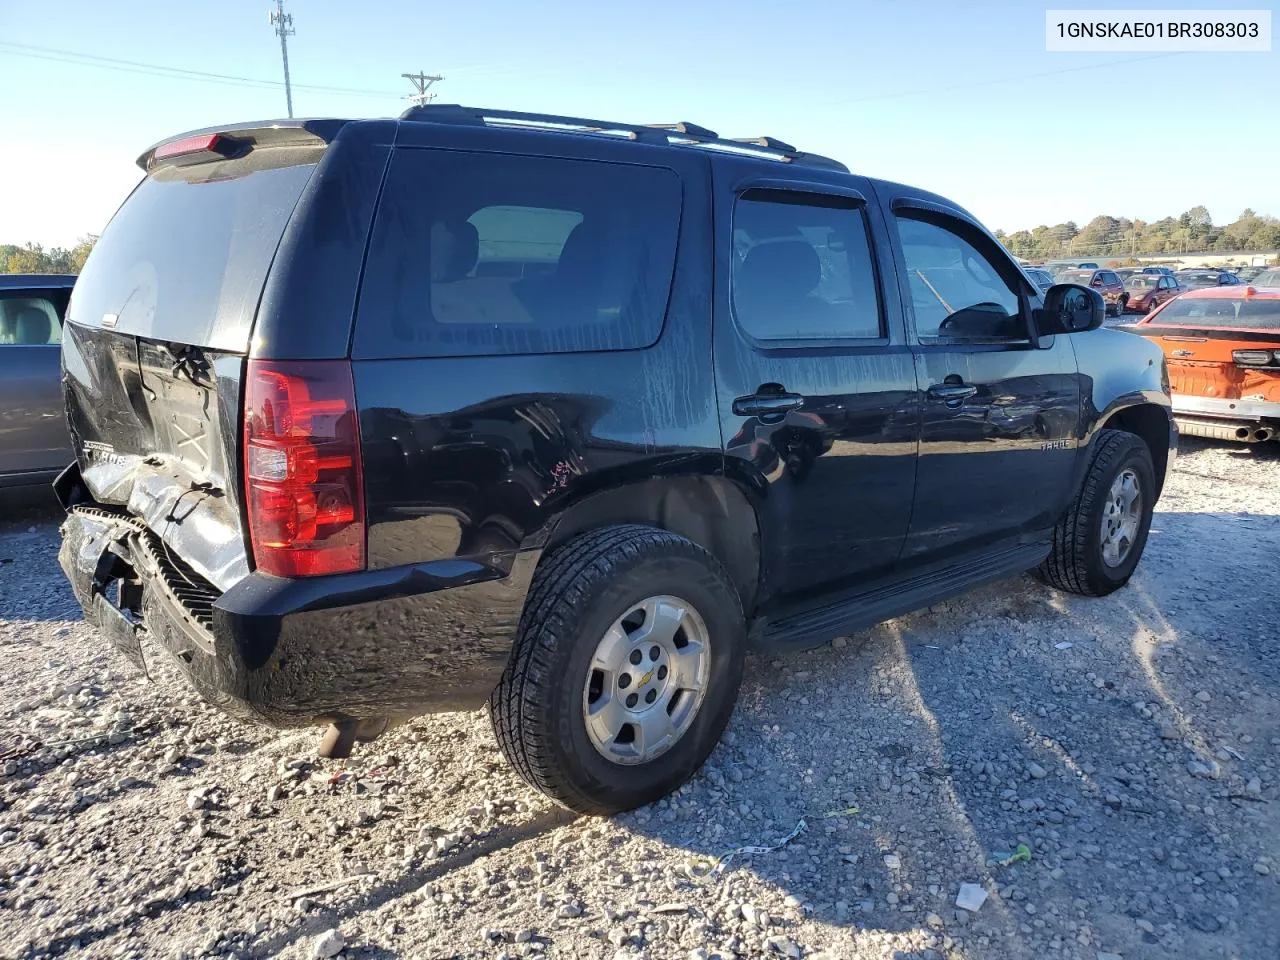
{"x":1222,"y":347}
{"x":1269,"y":277}
{"x":34,"y":444}
{"x":1147,"y":291}
{"x":501,"y":474}
{"x":1106,"y":282}
{"x":1043,"y":278}
{"x":1246,"y":274}
{"x":1166,"y":271}
{"x":1202,"y":279}
{"x":1124,"y":273}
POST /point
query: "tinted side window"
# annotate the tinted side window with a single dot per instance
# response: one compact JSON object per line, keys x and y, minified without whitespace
{"x":27,"y":320}
{"x":478,"y":253}
{"x":1110,"y":278}
{"x":957,"y":293}
{"x":802,"y":268}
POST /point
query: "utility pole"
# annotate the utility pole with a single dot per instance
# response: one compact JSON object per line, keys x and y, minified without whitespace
{"x":421,"y":82}
{"x":283,"y":22}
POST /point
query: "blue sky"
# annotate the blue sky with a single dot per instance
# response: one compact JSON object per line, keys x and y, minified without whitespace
{"x":963,"y":100}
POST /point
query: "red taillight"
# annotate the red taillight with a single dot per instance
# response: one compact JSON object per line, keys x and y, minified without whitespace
{"x":302,"y":471}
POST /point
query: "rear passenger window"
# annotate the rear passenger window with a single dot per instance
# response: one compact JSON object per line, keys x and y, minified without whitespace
{"x":478,"y":253}
{"x":27,"y":321}
{"x":802,"y":268}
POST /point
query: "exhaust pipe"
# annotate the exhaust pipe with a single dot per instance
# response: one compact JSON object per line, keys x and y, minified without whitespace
{"x":1222,"y":430}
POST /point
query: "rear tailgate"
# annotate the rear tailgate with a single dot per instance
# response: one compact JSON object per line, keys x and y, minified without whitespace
{"x":158,"y":330}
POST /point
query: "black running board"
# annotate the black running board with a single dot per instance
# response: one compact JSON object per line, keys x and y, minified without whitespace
{"x":815,"y":626}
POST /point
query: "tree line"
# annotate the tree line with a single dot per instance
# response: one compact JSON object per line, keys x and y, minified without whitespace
{"x":34,"y":258}
{"x":1104,"y":236}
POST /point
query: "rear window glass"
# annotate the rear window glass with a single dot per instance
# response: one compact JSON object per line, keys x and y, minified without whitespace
{"x":478,"y":253}
{"x":185,"y":258}
{"x":1076,"y":276}
{"x":1250,"y":314}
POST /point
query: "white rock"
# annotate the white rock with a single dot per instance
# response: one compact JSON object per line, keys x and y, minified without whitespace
{"x":971,"y":897}
{"x":328,"y":944}
{"x":893,"y":861}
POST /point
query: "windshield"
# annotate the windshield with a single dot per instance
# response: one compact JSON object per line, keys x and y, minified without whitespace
{"x":1267,"y":278}
{"x":1075,"y":276}
{"x":186,"y":257}
{"x":1244,"y":313}
{"x":1142,"y":282}
{"x":1198,"y":279}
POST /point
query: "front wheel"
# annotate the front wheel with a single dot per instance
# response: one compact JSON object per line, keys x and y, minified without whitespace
{"x":1097,"y":545}
{"x":625,"y":669}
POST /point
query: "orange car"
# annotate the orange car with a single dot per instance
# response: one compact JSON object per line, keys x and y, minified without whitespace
{"x":1222,"y":345}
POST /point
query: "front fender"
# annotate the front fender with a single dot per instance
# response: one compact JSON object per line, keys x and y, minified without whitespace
{"x":1121,"y":373}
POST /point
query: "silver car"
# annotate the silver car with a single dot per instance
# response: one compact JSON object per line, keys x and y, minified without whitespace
{"x":34,"y":443}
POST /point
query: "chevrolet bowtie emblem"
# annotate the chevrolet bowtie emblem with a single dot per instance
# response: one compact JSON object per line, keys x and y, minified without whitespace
{"x":1183,"y":353}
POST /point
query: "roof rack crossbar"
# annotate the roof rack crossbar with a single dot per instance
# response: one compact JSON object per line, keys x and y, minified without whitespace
{"x":665,"y":134}
{"x":769,"y":142}
{"x":689,"y":129}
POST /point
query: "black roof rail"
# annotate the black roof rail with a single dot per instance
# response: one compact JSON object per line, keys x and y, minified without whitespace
{"x":664,"y":134}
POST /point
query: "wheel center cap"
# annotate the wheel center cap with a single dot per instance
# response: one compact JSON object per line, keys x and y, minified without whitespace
{"x":645,"y":679}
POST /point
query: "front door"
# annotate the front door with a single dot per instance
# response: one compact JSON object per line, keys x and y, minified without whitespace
{"x":818,"y":402}
{"x":1000,"y":414}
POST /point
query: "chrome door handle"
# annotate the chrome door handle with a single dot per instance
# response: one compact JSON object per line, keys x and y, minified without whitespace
{"x":952,"y":393}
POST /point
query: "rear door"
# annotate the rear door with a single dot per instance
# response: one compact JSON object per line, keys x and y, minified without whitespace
{"x":998,"y":437}
{"x":817,"y":395}
{"x":33,"y":428}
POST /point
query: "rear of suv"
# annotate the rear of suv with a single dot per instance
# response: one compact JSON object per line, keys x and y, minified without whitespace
{"x":561,"y":416}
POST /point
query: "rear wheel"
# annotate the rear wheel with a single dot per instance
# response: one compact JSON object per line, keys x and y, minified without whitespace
{"x":1098,"y":544}
{"x":625,"y":670}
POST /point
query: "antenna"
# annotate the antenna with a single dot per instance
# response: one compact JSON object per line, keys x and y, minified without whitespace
{"x":421,"y":82}
{"x":283,"y":22}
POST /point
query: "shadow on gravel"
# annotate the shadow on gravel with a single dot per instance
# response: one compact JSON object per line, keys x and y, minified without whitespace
{"x":1019,"y":715}
{"x":406,"y":883}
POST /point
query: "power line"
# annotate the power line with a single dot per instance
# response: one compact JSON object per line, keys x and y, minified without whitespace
{"x":283,"y":22}
{"x":174,"y":73}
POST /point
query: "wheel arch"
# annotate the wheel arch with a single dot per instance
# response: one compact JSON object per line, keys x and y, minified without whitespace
{"x":1151,"y":423}
{"x":711,"y":511}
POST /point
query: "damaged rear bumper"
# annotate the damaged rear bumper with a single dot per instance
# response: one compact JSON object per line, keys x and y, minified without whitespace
{"x":378,"y":644}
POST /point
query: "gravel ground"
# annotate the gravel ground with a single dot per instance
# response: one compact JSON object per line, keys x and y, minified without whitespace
{"x":1130,"y":747}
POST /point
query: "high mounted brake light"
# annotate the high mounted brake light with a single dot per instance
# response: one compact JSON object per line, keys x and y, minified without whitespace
{"x":302,"y":469}
{"x":195,"y":149}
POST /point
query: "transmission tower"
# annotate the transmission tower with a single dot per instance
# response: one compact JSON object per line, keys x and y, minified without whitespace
{"x":283,"y":22}
{"x":421,"y":82}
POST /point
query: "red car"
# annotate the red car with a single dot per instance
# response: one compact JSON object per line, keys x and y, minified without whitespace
{"x":1148,"y":290}
{"x":1222,"y":347}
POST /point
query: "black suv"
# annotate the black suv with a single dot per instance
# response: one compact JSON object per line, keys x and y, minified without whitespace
{"x":382,"y":417}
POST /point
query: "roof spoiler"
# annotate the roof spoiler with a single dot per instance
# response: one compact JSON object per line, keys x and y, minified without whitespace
{"x":237,"y":139}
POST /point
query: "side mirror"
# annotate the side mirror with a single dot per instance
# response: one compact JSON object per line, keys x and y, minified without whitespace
{"x":1070,"y":308}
